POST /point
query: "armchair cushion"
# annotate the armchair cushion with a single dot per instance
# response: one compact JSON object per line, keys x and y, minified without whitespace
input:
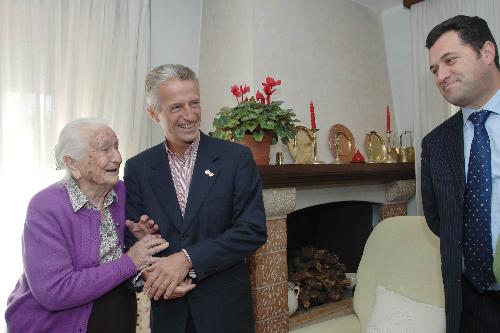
{"x":394,"y":313}
{"x":403,"y":255}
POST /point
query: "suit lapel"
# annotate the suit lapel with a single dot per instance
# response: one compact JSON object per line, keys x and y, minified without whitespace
{"x":163,"y":186}
{"x":455,"y":151}
{"x":205,"y":173}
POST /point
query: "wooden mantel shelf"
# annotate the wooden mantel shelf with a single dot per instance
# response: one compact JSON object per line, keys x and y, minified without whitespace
{"x":307,"y":175}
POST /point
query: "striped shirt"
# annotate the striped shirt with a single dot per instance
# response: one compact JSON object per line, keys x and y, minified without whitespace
{"x":181,"y":168}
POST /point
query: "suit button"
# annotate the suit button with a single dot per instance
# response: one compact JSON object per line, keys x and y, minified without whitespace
{"x":460,"y":244}
{"x":459,"y":281}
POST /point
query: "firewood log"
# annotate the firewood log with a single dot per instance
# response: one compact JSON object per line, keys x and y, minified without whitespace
{"x":313,"y":283}
{"x":305,"y":298}
{"x":300,"y":276}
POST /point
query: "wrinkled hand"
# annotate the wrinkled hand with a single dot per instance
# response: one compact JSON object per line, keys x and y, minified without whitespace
{"x":181,"y":290}
{"x":165,"y":275}
{"x":142,"y":252}
{"x":145,"y":226}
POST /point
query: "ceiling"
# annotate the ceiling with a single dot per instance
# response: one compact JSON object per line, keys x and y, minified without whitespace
{"x":380,"y":5}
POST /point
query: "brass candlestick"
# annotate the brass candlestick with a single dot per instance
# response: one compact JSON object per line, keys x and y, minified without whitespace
{"x":370,"y":149}
{"x":390,"y":158}
{"x":315,"y":146}
{"x":337,"y":159}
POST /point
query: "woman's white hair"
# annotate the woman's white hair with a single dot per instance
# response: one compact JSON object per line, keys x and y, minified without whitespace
{"x":74,"y":139}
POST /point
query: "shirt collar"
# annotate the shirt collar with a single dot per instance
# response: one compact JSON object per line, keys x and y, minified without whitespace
{"x":79,"y":200}
{"x":193,"y":148}
{"x":492,"y":105}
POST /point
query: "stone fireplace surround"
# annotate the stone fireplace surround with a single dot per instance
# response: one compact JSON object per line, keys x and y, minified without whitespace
{"x":291,"y":187}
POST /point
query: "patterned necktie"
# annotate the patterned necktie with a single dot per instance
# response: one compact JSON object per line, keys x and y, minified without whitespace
{"x":477,"y":250}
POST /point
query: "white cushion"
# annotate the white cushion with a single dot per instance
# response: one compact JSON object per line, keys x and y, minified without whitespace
{"x":394,"y":313}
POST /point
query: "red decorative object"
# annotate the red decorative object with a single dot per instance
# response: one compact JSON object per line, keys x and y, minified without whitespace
{"x":313,"y":116}
{"x":388,"y":120}
{"x":358,"y":157}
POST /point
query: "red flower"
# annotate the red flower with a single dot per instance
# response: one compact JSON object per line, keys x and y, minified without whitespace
{"x":268,"y":90}
{"x":246,"y":89}
{"x":260,"y":97}
{"x":271,"y":82}
{"x":268,"y":87}
{"x":235,"y":91}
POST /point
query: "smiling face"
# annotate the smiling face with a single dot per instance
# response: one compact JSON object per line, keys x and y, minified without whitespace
{"x":463,"y":77}
{"x":179,"y":114}
{"x":98,"y":169}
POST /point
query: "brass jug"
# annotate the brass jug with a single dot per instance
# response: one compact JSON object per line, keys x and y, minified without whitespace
{"x":406,"y":154}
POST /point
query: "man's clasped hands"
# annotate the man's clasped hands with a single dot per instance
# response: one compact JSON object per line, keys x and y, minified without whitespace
{"x":168,"y":276}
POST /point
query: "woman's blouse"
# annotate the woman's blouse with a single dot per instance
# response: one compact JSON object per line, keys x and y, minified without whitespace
{"x":110,"y":248}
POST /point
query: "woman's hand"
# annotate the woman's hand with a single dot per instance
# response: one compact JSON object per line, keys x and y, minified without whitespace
{"x":143,"y":251}
{"x":145,"y":226}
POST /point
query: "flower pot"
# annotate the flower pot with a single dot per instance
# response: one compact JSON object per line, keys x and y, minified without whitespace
{"x":260,"y":150}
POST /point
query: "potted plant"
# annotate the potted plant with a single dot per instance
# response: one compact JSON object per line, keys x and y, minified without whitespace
{"x":257,"y":121}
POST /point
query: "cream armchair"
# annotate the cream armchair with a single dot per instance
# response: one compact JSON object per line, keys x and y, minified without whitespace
{"x":402,"y":255}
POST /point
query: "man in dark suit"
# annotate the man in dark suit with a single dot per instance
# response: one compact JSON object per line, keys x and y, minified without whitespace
{"x":205,"y":195}
{"x":461,"y":171}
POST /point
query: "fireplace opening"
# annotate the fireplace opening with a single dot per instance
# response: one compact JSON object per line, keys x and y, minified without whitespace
{"x":338,"y":229}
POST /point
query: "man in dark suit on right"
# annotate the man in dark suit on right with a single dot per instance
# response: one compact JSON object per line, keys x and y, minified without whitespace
{"x":461,"y":171}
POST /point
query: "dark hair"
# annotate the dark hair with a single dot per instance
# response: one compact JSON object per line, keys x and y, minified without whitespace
{"x":472,"y":31}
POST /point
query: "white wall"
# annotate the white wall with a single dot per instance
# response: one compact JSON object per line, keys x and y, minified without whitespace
{"x":175,"y":37}
{"x":331,"y":52}
{"x":226,"y":50}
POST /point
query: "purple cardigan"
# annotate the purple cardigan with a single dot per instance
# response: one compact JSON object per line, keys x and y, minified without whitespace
{"x":62,"y":275}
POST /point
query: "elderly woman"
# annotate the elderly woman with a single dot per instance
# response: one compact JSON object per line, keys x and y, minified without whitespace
{"x":75,"y":272}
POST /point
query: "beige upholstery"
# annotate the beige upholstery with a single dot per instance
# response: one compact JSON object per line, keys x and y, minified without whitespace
{"x":401,"y":254}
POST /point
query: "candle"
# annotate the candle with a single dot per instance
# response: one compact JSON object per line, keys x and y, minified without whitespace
{"x":388,"y":120}
{"x":313,"y":116}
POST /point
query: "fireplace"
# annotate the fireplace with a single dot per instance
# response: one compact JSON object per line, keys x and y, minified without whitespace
{"x":372,"y":190}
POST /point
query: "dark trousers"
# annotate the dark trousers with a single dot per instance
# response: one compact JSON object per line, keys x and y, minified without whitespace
{"x":480,"y":312}
{"x":114,"y":312}
{"x":190,"y":324}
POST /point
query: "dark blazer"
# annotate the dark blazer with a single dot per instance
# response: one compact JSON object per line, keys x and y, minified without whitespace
{"x":443,"y":190}
{"x":224,"y":222}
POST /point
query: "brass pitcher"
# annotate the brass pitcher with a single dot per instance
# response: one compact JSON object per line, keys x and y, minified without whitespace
{"x":406,"y":154}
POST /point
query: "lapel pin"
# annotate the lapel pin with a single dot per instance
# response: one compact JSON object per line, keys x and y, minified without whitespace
{"x":209,"y":173}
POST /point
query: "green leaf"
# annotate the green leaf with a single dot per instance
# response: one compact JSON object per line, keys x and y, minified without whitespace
{"x":232,"y":123}
{"x":251,"y":125}
{"x":258,"y":136}
{"x":267,"y":124}
{"x":239,"y":133}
